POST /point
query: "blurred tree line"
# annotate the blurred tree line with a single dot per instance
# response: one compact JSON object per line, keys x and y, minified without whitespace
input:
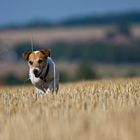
{"x":94,"y":52}
{"x":84,"y":71}
{"x":105,"y":51}
{"x":87,"y":53}
{"x":132,"y":17}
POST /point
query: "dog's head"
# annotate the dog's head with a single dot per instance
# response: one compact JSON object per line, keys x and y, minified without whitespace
{"x":37,"y":60}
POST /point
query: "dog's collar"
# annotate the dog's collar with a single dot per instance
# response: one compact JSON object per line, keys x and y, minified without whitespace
{"x":46,"y":73}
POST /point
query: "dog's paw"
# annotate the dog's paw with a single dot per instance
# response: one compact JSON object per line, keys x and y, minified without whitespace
{"x":39,"y":91}
{"x":48,"y":91}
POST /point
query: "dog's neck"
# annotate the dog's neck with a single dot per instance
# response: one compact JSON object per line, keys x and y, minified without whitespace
{"x":44,"y":70}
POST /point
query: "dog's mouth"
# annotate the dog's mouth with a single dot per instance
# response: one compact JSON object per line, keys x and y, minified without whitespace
{"x":37,"y":72}
{"x":37,"y":75}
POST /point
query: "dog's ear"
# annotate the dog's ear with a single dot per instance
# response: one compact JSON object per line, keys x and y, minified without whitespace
{"x":47,"y":52}
{"x":26,"y":55}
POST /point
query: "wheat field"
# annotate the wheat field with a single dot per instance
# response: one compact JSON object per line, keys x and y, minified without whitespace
{"x":87,"y":110}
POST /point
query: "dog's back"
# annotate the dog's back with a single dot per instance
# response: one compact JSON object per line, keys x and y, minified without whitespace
{"x":53,"y":74}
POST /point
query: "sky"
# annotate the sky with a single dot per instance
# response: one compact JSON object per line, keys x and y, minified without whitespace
{"x":22,"y":11}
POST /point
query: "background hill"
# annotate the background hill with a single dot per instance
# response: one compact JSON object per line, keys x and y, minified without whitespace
{"x":95,"y":47}
{"x":88,"y":20}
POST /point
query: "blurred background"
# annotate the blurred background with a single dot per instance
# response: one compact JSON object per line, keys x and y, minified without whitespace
{"x":89,"y":39}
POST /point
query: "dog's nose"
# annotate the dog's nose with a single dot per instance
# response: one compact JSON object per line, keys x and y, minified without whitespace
{"x":35,"y":71}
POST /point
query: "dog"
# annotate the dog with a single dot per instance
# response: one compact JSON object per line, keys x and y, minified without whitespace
{"x":42,"y":71}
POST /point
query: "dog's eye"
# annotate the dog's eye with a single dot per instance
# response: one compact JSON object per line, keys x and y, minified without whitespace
{"x":31,"y":62}
{"x":40,"y":61}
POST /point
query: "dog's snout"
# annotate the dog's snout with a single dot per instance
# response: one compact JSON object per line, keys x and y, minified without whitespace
{"x":35,"y":71}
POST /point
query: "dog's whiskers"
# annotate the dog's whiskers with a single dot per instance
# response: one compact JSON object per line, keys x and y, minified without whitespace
{"x":26,"y":80}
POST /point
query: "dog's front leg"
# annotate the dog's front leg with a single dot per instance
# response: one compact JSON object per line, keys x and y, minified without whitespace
{"x":39,"y":90}
{"x":48,"y":91}
{"x":51,"y":87}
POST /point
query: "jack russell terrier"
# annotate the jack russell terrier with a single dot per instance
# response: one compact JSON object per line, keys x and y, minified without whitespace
{"x":42,"y":71}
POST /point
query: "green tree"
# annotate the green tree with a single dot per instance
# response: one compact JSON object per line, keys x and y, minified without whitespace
{"x":85,"y":71}
{"x":124,"y":29}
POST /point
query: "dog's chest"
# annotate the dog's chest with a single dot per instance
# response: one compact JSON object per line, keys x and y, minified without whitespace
{"x":38,"y":82}
{"x":33,"y":79}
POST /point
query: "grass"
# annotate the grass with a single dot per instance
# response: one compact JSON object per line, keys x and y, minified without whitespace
{"x":104,"y":109}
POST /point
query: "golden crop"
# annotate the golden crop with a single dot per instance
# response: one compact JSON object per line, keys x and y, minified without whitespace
{"x":93,"y":110}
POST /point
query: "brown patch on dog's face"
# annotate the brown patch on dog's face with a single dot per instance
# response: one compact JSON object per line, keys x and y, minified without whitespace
{"x":26,"y":55}
{"x":46,"y":52}
{"x":37,"y":59}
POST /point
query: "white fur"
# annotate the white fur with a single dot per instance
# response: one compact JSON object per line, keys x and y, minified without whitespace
{"x":36,"y":52}
{"x":33,"y":79}
{"x":45,"y":87}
